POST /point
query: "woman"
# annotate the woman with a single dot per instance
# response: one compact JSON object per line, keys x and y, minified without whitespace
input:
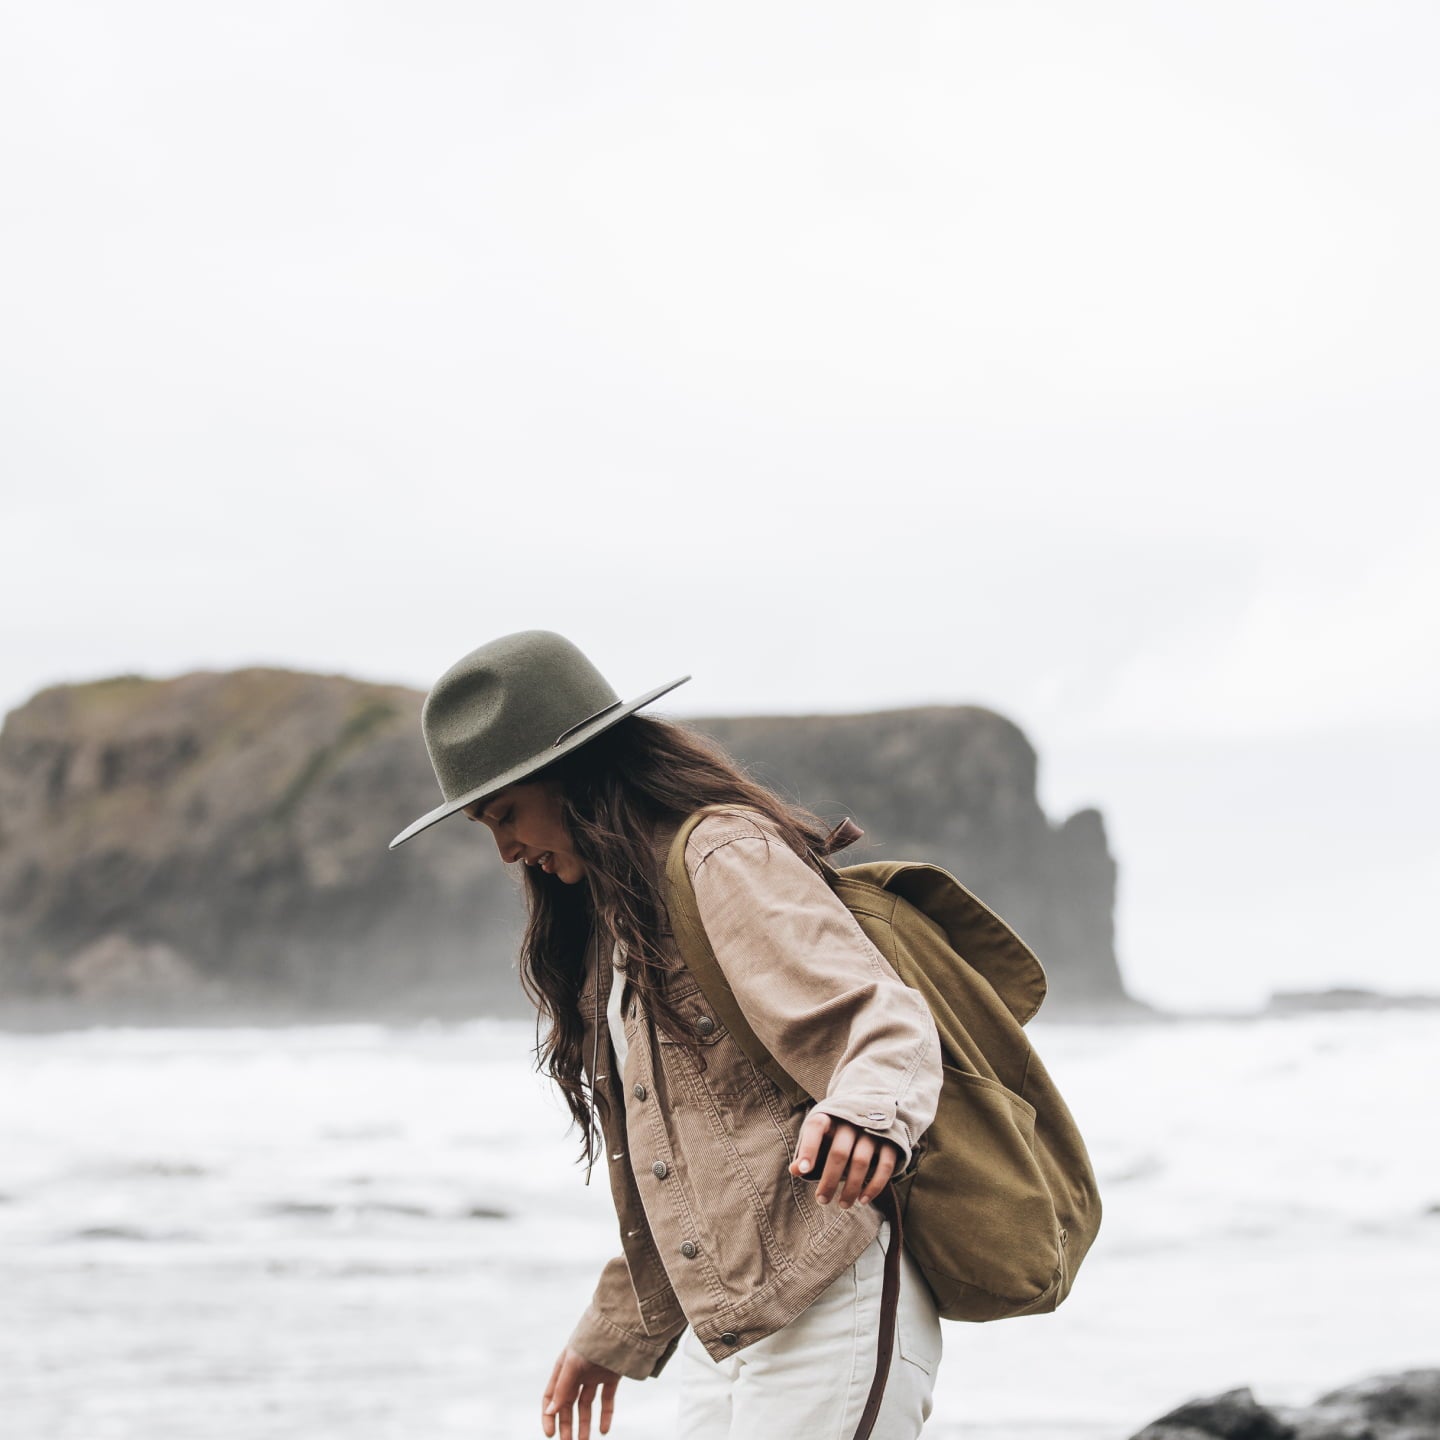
{"x":777,"y":1278}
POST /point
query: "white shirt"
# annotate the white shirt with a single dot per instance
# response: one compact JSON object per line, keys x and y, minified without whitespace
{"x":612,"y":1010}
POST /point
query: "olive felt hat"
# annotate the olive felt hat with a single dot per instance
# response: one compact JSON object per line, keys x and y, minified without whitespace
{"x":510,"y":708}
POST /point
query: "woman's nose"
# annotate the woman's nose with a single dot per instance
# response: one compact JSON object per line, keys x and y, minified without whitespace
{"x":510,"y":850}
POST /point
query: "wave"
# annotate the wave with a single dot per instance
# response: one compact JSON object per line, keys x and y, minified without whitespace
{"x":364,"y":1209}
{"x":129,"y":1233}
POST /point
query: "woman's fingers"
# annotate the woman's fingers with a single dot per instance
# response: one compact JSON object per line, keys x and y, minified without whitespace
{"x":560,"y":1397}
{"x":547,"y":1400}
{"x":566,"y":1396}
{"x":812,"y":1137}
{"x":575,"y":1381}
{"x":886,"y":1159}
{"x":587,"y":1399}
{"x":842,"y":1141}
{"x":859,"y":1168}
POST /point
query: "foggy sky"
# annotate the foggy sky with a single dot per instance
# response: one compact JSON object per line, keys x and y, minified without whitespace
{"x":1079,"y":361}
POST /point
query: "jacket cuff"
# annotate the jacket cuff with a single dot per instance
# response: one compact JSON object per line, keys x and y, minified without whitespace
{"x":875,"y":1117}
{"x":602,"y":1342}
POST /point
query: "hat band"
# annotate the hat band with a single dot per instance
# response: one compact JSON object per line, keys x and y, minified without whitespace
{"x":604,"y":710}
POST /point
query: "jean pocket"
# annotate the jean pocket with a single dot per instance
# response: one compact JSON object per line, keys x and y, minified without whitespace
{"x":917,"y":1326}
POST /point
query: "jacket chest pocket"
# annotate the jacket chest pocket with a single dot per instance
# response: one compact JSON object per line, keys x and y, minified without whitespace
{"x":699,"y":1022}
{"x":711,"y":1066}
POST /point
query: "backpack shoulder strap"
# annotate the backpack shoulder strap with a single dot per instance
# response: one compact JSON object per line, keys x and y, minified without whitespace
{"x":699,"y":957}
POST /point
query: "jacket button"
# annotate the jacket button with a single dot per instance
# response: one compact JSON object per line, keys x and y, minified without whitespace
{"x":704,"y":1026}
{"x":659,"y":1169}
{"x":689,"y":1249}
{"x":729,"y":1338}
{"x":641,"y":1092}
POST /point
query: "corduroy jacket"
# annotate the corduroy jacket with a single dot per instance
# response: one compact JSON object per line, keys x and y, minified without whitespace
{"x":714,"y":1230}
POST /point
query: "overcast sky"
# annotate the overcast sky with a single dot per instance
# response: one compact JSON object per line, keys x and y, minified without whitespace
{"x":1079,"y":361}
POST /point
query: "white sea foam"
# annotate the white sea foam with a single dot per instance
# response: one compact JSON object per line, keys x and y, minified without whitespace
{"x":375,"y":1232}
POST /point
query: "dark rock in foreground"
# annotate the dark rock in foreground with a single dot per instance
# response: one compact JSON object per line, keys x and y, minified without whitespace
{"x":1400,"y":1406}
{"x":216,"y":845}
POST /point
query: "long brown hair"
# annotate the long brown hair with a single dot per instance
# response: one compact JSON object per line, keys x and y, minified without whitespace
{"x":615,"y":791}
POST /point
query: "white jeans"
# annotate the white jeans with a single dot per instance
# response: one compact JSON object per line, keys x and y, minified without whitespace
{"x":812,"y":1377}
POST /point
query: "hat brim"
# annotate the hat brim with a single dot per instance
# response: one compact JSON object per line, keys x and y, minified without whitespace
{"x":572,"y":741}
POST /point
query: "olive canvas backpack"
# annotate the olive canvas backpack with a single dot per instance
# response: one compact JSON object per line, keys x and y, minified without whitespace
{"x":999,"y":1204}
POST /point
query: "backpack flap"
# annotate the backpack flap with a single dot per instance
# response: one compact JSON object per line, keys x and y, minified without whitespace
{"x":973,"y":929}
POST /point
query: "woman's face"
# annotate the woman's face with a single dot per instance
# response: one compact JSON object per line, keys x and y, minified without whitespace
{"x":525,"y":821}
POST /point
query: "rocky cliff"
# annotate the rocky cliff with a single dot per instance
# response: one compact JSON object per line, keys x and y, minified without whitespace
{"x":217,"y":842}
{"x":955,"y":785}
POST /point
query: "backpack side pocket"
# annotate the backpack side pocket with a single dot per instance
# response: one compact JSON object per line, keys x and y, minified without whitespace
{"x":980,"y":1220}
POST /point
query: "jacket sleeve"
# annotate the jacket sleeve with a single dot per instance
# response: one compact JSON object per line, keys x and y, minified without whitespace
{"x":818,"y":995}
{"x":611,"y":1332}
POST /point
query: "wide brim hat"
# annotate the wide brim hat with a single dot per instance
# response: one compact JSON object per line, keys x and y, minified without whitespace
{"x":509,"y":709}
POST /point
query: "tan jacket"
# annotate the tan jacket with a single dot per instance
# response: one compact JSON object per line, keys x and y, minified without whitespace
{"x":715,"y":1232}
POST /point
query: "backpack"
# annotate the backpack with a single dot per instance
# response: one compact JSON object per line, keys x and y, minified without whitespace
{"x":999,"y":1202}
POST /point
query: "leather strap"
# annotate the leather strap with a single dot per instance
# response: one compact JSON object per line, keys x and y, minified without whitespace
{"x":888,"y":1206}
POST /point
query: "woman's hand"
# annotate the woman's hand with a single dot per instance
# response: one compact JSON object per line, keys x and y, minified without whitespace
{"x":576,"y":1380}
{"x":859,"y":1165}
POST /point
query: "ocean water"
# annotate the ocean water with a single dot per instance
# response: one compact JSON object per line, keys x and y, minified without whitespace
{"x":370,"y":1231}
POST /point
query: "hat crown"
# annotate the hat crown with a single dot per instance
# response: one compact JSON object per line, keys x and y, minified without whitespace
{"x":497,"y":706}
